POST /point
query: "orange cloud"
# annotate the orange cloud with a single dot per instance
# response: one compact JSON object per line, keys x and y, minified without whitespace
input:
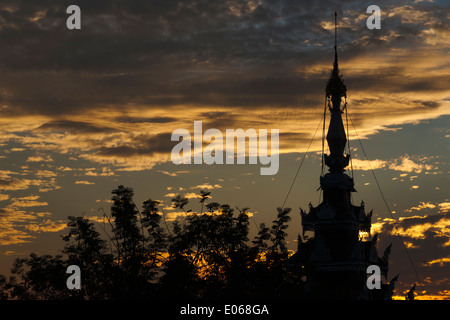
{"x":47,"y":226}
{"x":406,"y":164}
{"x":84,"y":182}
{"x":23,"y":184}
{"x":440,"y":261}
{"x":421,"y":206}
{"x":418,"y":227}
{"x":207,"y":186}
{"x":39,"y":159}
{"x":368,"y":165}
{"x":29,"y":201}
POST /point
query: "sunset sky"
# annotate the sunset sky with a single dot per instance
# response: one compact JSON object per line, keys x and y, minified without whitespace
{"x":83,"y":111}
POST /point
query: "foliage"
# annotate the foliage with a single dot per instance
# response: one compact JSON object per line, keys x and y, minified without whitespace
{"x":204,"y":254}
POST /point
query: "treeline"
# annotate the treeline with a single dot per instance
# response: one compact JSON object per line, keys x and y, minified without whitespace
{"x":203,"y":255}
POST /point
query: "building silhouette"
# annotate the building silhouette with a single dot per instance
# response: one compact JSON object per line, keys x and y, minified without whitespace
{"x":338,"y":258}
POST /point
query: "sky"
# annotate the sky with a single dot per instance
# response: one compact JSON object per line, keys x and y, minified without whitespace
{"x":83,"y":111}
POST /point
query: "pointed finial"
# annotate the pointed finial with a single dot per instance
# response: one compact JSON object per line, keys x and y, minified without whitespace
{"x":335,"y":35}
{"x":335,"y":84}
{"x":335,"y":29}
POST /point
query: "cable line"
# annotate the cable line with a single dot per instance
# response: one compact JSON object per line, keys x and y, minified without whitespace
{"x":300,"y":165}
{"x":387,"y":206}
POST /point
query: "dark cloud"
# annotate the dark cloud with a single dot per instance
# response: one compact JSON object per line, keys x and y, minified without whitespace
{"x":141,"y":145}
{"x":73,"y":127}
{"x":197,"y":52}
{"x":217,"y":119}
{"x":127,"y":119}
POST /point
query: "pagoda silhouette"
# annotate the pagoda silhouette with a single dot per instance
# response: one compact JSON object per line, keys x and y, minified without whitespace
{"x":337,"y":261}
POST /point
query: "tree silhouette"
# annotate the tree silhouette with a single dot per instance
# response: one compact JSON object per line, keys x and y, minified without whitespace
{"x":38,"y":277}
{"x":86,"y":249}
{"x":205,"y":254}
{"x":126,"y":230}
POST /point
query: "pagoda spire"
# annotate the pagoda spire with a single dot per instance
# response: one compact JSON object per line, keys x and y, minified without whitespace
{"x":335,"y":91}
{"x":338,"y":258}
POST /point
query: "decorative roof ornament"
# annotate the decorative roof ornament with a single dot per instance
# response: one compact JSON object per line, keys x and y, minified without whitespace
{"x":336,"y":136}
{"x":335,"y":88}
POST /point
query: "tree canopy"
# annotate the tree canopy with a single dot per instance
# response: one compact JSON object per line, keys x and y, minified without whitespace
{"x":204,"y":255}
